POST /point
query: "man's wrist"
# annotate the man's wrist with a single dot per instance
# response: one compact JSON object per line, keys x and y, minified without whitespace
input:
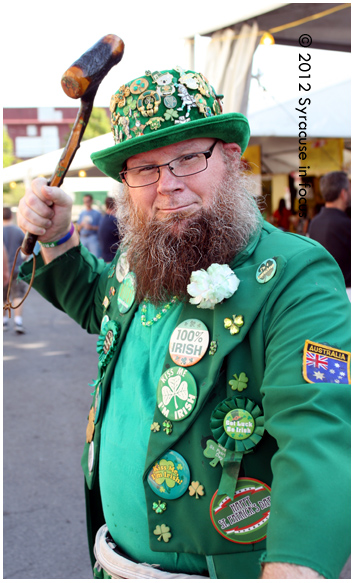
{"x":288,"y":571}
{"x":51,"y":253}
{"x":60,"y":240}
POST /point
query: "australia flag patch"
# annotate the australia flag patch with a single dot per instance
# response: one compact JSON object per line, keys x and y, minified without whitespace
{"x":324,"y":364}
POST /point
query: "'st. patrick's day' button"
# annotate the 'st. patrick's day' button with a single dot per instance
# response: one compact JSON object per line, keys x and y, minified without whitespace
{"x":176,"y":393}
{"x":244,"y":519}
{"x":170,"y":476}
{"x":188,"y":342}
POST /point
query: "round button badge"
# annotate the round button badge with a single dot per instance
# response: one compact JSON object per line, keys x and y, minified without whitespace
{"x":238,"y":424}
{"x":266,"y":271}
{"x":244,"y":519}
{"x":176,"y":393}
{"x":126,"y":293}
{"x":189,"y":342}
{"x":138,"y":86}
{"x":169,"y":478}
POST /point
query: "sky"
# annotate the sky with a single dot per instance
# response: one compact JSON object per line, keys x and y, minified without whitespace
{"x":41,"y":40}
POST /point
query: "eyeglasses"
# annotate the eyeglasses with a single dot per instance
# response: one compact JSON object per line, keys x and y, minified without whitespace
{"x":185,"y":165}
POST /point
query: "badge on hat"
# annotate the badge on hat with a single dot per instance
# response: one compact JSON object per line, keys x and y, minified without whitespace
{"x":325,"y":364}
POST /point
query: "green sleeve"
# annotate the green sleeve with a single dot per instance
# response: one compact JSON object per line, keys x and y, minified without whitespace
{"x":310,"y":501}
{"x":74,"y":283}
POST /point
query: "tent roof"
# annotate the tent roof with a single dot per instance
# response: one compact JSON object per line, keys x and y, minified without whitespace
{"x":328,"y":115}
{"x":46,"y":163}
{"x":330,"y":31}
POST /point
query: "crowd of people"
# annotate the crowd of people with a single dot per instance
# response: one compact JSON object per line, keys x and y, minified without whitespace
{"x":99,"y":231}
{"x":329,"y":223}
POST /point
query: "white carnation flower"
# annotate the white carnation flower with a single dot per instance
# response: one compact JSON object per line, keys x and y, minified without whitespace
{"x":211,"y":287}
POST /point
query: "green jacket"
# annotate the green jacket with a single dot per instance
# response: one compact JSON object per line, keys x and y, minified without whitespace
{"x":304,"y":453}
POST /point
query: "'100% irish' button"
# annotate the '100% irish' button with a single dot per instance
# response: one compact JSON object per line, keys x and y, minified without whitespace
{"x":188,"y":342}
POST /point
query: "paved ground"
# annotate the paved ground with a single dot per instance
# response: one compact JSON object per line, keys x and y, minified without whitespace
{"x":46,"y":403}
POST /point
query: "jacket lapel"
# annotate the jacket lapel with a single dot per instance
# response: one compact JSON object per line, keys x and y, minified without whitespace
{"x":247,"y":302}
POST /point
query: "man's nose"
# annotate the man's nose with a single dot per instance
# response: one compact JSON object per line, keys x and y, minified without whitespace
{"x":168,"y":183}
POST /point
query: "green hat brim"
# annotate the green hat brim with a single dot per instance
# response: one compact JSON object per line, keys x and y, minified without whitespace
{"x":228,"y":127}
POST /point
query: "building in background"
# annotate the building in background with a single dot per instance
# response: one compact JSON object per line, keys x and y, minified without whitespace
{"x":35,"y":131}
{"x":38,"y":134}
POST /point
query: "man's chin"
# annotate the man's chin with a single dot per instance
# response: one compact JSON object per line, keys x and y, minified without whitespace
{"x":178,"y":221}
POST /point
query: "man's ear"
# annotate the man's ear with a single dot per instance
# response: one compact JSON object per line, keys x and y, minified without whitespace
{"x":232,"y":148}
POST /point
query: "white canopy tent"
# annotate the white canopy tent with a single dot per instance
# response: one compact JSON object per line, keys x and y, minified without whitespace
{"x":45,"y":165}
{"x":328,"y":115}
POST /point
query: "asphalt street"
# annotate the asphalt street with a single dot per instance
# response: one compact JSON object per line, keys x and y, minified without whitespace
{"x":46,"y":401}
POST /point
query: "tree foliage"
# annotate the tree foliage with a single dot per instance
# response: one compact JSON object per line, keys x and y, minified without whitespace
{"x":98,"y":125}
{"x":8,"y":150}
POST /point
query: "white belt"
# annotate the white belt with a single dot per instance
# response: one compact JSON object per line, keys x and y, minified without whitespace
{"x":121,"y":568}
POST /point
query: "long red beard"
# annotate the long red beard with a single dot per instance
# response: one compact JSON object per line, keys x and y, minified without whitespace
{"x":163,"y":253}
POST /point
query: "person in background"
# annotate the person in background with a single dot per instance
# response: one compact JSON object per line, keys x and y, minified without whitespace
{"x":109,"y":237}
{"x":12,"y":240}
{"x":281,"y":216}
{"x":88,"y":226}
{"x":5,"y":268}
{"x":332,"y":226}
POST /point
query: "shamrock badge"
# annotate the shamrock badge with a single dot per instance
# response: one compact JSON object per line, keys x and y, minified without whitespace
{"x":163,"y":533}
{"x":239,"y":383}
{"x":233,"y":325}
{"x":196,"y":489}
{"x":159,"y":507}
{"x":155,"y":427}
{"x":167,"y":427}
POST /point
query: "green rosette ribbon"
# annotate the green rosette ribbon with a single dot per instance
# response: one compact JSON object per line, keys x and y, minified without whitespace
{"x":238,"y":425}
{"x":106,"y":343}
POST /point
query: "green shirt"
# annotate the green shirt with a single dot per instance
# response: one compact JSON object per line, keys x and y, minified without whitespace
{"x":125,"y":435}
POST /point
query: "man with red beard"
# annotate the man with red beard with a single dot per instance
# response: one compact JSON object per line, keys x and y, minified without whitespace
{"x":215,"y":418}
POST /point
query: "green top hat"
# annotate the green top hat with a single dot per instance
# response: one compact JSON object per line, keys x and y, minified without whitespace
{"x":162,"y":108}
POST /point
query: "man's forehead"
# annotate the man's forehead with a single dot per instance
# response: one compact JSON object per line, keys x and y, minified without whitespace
{"x":192,"y":145}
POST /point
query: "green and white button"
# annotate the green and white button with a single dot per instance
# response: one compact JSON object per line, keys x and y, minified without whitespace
{"x":126,"y":293}
{"x":239,"y":424}
{"x":176,"y":393}
{"x":266,"y":271}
